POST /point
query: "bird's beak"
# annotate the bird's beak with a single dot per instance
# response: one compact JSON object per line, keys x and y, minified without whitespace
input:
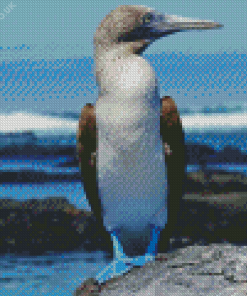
{"x":174,"y":23}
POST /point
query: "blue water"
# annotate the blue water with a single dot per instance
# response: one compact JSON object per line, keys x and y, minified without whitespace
{"x":54,"y":274}
{"x":60,"y":274}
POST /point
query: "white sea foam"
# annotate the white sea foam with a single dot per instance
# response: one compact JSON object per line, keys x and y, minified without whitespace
{"x":23,"y":121}
{"x":20,"y":121}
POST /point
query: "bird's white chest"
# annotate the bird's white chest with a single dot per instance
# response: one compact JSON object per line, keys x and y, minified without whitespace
{"x":129,"y":105}
{"x":132,"y":182}
{"x":131,"y":166}
{"x":132,"y":76}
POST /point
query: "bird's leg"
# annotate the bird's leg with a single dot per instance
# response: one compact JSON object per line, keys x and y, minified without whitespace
{"x":151,"y":249}
{"x":122,"y":263}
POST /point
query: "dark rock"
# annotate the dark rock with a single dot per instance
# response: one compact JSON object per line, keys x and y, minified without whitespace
{"x":38,"y":150}
{"x":198,"y":154}
{"x":72,"y":163}
{"x":215,"y":182}
{"x":202,"y":154}
{"x":27,"y":176}
{"x":204,"y":223}
{"x":231,"y":154}
{"x":37,"y":226}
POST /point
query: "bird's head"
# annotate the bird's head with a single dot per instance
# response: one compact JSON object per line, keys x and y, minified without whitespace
{"x":134,"y":27}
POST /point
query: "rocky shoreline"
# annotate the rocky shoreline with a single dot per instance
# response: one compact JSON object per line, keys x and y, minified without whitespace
{"x":218,"y":269}
{"x":37,"y":226}
{"x":213,"y":211}
{"x":52,"y":224}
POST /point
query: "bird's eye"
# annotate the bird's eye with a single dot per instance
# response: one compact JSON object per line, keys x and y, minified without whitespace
{"x":147,"y":18}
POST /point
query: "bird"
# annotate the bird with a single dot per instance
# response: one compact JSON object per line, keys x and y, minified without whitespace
{"x":121,"y":140}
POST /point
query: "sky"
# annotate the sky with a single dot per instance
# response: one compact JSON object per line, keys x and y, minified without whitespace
{"x":41,"y":23}
{"x":42,"y":40}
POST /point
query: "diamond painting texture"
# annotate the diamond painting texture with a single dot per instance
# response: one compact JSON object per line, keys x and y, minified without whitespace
{"x":50,"y":241}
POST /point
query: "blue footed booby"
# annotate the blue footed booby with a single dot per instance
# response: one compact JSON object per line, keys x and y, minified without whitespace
{"x":121,"y":140}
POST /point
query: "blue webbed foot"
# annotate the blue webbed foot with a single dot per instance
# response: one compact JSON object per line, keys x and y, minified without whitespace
{"x":121,"y":263}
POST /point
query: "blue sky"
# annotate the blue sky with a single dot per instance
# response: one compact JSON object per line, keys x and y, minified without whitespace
{"x":40,"y":24}
{"x":40,"y":39}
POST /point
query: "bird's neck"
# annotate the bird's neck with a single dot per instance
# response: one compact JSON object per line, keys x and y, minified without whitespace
{"x":129,"y":102}
{"x":128,"y":107}
{"x":120,"y":71}
{"x":136,"y":47}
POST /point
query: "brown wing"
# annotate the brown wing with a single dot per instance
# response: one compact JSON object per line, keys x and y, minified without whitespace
{"x":86,"y":151}
{"x":172,"y":135}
